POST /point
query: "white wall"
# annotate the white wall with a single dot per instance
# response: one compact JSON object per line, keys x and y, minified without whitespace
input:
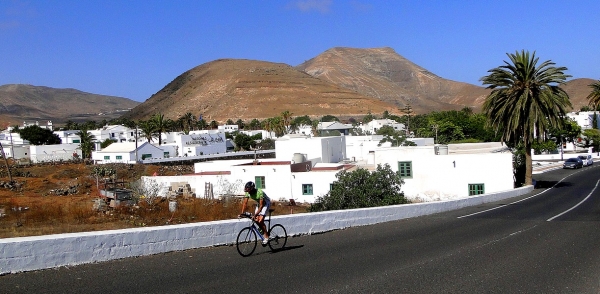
{"x":440,"y":177}
{"x":329,"y":149}
{"x":41,"y":252}
{"x":41,"y":153}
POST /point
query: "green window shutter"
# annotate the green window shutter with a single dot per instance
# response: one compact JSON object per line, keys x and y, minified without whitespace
{"x":405,"y":169}
{"x":260,"y":182}
{"x":307,"y":189}
{"x":119,"y":157}
{"x":106,"y":157}
{"x":476,"y":189}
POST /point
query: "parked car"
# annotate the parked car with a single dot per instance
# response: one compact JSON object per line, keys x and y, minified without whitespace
{"x":587,"y":159}
{"x":574,"y":162}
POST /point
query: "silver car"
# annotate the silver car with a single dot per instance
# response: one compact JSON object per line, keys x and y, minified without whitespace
{"x":587,"y":159}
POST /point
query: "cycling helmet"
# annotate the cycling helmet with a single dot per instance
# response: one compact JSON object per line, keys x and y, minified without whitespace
{"x":249,"y":187}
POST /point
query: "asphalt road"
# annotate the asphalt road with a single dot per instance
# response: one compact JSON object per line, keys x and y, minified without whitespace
{"x":544,"y":242}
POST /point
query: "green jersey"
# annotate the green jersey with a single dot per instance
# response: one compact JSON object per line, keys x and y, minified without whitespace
{"x":257,"y":195}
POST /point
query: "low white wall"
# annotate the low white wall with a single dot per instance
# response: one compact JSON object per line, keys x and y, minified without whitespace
{"x":40,"y":252}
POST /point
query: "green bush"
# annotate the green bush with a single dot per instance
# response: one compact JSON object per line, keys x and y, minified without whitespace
{"x":361,"y":188}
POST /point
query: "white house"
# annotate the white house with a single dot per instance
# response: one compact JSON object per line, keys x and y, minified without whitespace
{"x":322,"y":149}
{"x":330,"y":126}
{"x":117,"y":133}
{"x":585,"y":119}
{"x":227,"y":128}
{"x":305,"y":168}
{"x":373,"y":126}
{"x":201,"y":144}
{"x":429,"y":176}
{"x":127,"y":153}
{"x":68,"y":136}
{"x":58,"y":152}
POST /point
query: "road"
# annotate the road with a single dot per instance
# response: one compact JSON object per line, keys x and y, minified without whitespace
{"x":543,"y":242}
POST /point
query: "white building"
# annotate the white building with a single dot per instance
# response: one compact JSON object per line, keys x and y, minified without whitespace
{"x":319,"y":149}
{"x":117,"y":133}
{"x":227,"y":128}
{"x":69,"y":136}
{"x":127,"y":153}
{"x":304,"y":169}
{"x":585,"y":119}
{"x":373,"y":126}
{"x":57,"y":152}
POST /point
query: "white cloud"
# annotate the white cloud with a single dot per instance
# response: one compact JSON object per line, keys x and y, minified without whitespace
{"x":321,"y":6}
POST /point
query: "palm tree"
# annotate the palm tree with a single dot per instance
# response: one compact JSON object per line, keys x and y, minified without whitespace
{"x":147,"y":130}
{"x":159,"y":125}
{"x":86,"y":143}
{"x":526,"y":100}
{"x":286,"y":117}
{"x":594,"y":97}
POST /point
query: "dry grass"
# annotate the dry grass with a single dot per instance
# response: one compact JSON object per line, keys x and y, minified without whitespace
{"x":33,"y":210}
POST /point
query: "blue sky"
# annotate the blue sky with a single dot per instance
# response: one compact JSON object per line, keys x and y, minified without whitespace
{"x":133,"y":48}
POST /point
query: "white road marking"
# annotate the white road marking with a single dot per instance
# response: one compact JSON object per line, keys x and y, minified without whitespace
{"x":584,"y":199}
{"x":518,"y":200}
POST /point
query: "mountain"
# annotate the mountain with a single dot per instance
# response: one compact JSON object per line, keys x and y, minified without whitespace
{"x":246,"y":89}
{"x":578,"y":90}
{"x":20,"y":103}
{"x":384,"y":74}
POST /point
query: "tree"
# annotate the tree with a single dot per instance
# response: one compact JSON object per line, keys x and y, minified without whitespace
{"x":286,"y":120}
{"x":38,"y":136}
{"x":368,"y":118}
{"x":393,"y":136}
{"x":86,"y":143}
{"x":243,"y":142}
{"x":594,"y":96}
{"x":240,"y":124}
{"x":329,"y":118}
{"x":6,"y":163}
{"x":526,"y":99}
{"x":147,"y":130}
{"x":361,"y":188}
{"x":159,"y":125}
{"x":254,"y":124}
{"x":591,"y":138}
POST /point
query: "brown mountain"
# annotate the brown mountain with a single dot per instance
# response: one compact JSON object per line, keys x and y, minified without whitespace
{"x":231,"y":89}
{"x":384,"y":74}
{"x":578,"y":90}
{"x":20,"y":103}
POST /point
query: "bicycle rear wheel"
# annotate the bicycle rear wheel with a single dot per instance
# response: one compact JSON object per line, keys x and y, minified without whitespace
{"x":246,"y":241}
{"x":278,"y":237}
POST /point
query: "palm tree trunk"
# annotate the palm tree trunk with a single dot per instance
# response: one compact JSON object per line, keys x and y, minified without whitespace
{"x":528,"y":165}
{"x":6,"y":163}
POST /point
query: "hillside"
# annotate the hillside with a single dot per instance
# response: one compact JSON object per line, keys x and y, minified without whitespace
{"x":231,"y":89}
{"x":384,"y":74}
{"x":26,"y":102}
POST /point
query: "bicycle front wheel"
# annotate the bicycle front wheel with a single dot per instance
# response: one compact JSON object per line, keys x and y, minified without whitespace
{"x":278,"y":237}
{"x":246,"y":242}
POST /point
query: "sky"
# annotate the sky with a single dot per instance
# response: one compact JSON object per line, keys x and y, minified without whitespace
{"x":133,"y":48}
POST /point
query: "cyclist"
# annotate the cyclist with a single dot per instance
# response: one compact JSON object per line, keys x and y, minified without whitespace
{"x":264,"y":203}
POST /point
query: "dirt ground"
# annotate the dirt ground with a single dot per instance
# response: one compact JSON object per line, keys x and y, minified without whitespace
{"x":59,"y":198}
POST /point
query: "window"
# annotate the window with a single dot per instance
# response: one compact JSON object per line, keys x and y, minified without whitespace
{"x":119,"y":157}
{"x":307,"y":189}
{"x":405,"y":169}
{"x":166,"y":154}
{"x":106,"y":157}
{"x":260,"y":182}
{"x":76,"y":141}
{"x":144,"y":156}
{"x":476,"y":189}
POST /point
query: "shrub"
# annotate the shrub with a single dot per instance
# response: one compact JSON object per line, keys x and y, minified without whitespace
{"x":361,"y":188}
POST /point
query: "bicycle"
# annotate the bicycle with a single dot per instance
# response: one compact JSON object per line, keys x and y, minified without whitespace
{"x":247,"y":237}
